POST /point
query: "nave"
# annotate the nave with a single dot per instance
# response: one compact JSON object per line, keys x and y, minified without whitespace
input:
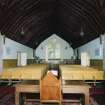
{"x":52,"y":52}
{"x":72,"y":84}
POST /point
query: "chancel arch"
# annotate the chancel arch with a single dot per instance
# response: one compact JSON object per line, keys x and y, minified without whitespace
{"x":54,"y":48}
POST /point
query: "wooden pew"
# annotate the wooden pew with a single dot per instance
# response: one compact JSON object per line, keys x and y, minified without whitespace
{"x":78,"y":89}
{"x":77,"y":72}
{"x":25,"y":88}
{"x":31,"y":72}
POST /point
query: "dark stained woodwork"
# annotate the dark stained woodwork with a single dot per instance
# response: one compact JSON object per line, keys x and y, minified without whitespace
{"x":97,"y":91}
{"x":41,"y":18}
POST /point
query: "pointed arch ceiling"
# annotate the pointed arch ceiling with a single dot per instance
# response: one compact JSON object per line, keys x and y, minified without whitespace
{"x":38,"y":19}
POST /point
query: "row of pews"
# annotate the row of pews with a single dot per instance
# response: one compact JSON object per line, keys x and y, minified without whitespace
{"x":50,"y":84}
{"x":30,"y":72}
{"x":77,"y":72}
{"x":69,"y":72}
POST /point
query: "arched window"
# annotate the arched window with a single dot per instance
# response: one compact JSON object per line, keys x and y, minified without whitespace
{"x":53,"y":49}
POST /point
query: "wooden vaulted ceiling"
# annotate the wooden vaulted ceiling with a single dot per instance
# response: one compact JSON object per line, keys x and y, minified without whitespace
{"x":41,"y":18}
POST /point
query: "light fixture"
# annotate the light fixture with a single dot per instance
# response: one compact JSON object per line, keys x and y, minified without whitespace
{"x":36,"y":43}
{"x":22,"y":31}
{"x":82,"y":33}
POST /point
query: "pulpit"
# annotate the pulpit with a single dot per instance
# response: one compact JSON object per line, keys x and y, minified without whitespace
{"x":50,"y":89}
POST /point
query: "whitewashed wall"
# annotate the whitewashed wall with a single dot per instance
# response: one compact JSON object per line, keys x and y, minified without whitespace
{"x":93,"y":48}
{"x":65,"y":53}
{"x":11,"y":48}
{"x":1,"y":52}
{"x":104,"y":53}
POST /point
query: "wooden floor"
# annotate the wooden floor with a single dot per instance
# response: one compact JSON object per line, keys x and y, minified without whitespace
{"x":69,"y":72}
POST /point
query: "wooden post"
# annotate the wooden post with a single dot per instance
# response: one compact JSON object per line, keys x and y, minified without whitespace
{"x":1,"y":53}
{"x":17,"y":98}
{"x":104,"y":53}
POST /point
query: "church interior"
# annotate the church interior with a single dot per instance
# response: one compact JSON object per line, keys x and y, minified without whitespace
{"x":52,"y":52}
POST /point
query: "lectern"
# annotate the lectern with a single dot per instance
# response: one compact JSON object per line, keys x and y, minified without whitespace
{"x":50,"y":89}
